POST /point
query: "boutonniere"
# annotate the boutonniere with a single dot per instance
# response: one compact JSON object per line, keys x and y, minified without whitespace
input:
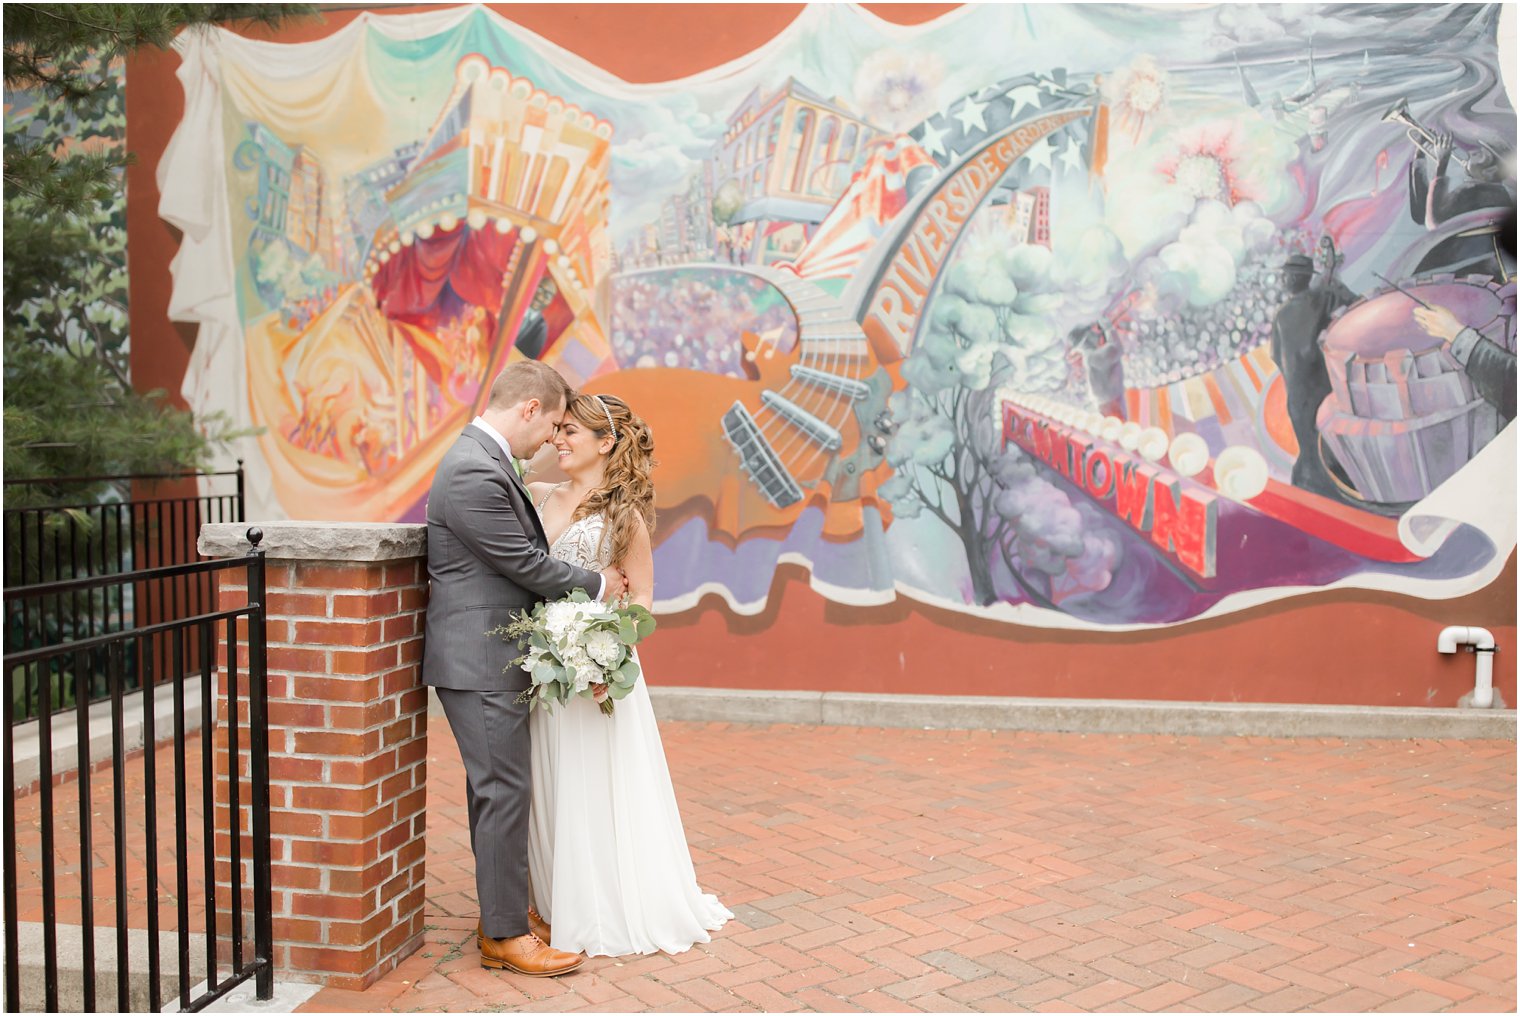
{"x":520,"y":466}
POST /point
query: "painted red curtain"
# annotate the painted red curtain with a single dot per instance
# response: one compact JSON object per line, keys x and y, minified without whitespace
{"x":433,"y":280}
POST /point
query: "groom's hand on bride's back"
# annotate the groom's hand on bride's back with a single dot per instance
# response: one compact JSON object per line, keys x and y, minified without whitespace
{"x":616,"y":584}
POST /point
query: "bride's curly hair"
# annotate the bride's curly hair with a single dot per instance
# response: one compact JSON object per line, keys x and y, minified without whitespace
{"x":627,"y":491}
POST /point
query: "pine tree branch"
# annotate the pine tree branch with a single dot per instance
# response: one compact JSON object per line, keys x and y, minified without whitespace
{"x":103,"y":29}
{"x":103,"y":354}
{"x":70,"y":407}
{"x":14,"y":182}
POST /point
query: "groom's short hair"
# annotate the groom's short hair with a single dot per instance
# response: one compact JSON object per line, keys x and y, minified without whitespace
{"x":529,"y":379}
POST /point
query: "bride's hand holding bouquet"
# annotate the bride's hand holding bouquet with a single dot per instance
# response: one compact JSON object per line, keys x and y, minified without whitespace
{"x":577,"y":646}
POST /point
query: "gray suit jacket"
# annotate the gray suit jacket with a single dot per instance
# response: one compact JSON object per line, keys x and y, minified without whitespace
{"x":487,"y":558}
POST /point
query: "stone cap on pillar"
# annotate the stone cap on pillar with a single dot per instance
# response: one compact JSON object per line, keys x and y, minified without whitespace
{"x":317,"y":541}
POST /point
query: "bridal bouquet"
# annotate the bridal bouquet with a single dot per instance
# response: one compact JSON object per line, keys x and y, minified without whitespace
{"x":575,"y":643}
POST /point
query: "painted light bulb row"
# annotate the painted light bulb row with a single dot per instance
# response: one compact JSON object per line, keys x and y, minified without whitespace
{"x":1239,"y":471}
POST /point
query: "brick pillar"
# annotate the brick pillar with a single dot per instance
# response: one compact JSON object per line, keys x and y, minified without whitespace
{"x":347,"y":743}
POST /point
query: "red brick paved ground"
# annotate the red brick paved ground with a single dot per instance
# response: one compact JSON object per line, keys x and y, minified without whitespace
{"x":952,"y":871}
{"x":66,"y":824}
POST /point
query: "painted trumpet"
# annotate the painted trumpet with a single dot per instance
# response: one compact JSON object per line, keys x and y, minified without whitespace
{"x":1420,"y":135}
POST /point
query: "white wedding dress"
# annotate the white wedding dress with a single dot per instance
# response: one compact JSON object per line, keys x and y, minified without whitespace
{"x":607,"y":856}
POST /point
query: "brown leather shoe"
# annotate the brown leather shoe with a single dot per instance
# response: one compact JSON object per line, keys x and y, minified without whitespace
{"x":536,"y":924}
{"x":527,"y":955}
{"x":539,"y":926}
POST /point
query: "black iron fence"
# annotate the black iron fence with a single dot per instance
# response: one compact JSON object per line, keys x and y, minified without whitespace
{"x":124,"y":527}
{"x":143,"y":837}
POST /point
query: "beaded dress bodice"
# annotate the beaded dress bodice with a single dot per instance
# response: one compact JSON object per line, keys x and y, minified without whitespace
{"x":581,"y":544}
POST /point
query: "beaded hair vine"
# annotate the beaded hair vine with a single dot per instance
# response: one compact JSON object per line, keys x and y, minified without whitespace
{"x":610,"y":425}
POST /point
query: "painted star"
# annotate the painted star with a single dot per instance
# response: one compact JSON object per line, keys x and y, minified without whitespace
{"x":972,"y":111}
{"x":934,"y":139}
{"x":1071,"y":158}
{"x":1024,"y":95}
{"x":1049,"y":85}
{"x":1040,"y":152}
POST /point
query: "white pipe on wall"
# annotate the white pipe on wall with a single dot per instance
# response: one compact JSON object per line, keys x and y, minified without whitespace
{"x":1482,"y":642}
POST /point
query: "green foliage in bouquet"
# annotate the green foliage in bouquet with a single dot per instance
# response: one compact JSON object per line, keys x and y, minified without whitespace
{"x":571,"y":645}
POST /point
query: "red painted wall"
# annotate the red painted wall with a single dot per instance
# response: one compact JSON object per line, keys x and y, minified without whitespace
{"x":1338,"y":647}
{"x":1348,"y":647}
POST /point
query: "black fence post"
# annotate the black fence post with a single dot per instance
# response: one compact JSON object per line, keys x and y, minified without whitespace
{"x":258,"y":745}
{"x":12,"y":937}
{"x":242,"y":502}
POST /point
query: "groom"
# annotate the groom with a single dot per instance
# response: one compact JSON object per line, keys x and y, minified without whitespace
{"x":487,"y":558}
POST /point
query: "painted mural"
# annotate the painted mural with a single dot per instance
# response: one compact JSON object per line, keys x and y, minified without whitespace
{"x":1071,"y":315}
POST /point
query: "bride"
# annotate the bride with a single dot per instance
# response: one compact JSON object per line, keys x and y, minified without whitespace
{"x":609,"y":867}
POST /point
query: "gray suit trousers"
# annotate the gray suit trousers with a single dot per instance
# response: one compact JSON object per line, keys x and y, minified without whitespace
{"x":492,"y":732}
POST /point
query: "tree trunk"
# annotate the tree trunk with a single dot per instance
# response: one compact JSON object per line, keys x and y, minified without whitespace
{"x":981,"y":568}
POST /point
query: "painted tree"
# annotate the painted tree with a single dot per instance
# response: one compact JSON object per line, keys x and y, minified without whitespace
{"x":70,"y":407}
{"x":727,"y":202}
{"x":992,"y":324}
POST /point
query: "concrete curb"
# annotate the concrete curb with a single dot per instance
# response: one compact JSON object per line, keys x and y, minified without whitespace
{"x":66,"y":731}
{"x":70,"y":940}
{"x":1077,"y":716}
{"x":288,"y":997}
{"x":1086,"y":716}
